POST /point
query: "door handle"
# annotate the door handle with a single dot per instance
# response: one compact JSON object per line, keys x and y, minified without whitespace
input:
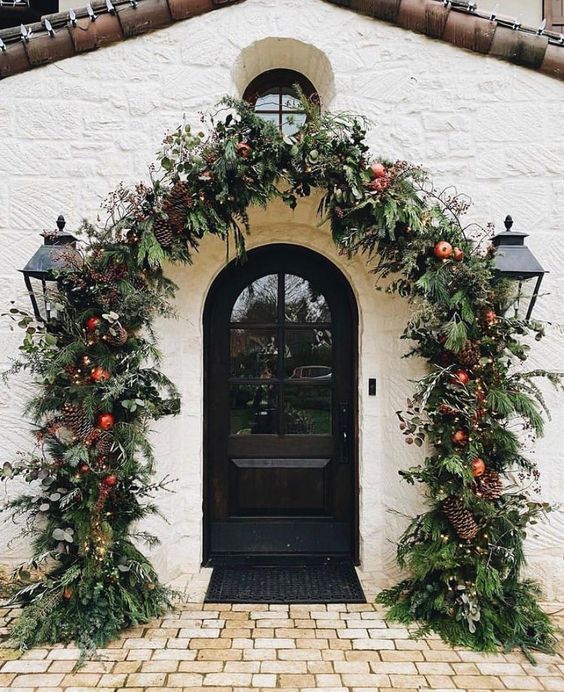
{"x":344,"y":433}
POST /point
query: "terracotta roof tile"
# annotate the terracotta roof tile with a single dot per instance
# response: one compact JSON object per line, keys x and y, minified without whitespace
{"x":469,"y":31}
{"x":44,"y":48}
{"x":105,"y":30}
{"x":518,"y":47}
{"x":553,"y":63}
{"x":455,"y":21}
{"x":423,"y":17}
{"x":146,"y":16}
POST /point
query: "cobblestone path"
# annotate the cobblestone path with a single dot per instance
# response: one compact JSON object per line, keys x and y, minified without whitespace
{"x":232,"y":648}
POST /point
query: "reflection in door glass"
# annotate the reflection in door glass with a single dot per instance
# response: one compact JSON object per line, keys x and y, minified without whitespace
{"x":307,"y":410}
{"x":253,"y":353}
{"x":253,"y":409}
{"x":258,"y":301}
{"x":304,"y":303}
{"x":308,"y":353}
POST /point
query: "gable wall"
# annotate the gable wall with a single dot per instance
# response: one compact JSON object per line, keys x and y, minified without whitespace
{"x":529,"y":12}
{"x":73,"y":130}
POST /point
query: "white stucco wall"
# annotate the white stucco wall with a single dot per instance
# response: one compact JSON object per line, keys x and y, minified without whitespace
{"x":528,"y":12}
{"x":73,"y":130}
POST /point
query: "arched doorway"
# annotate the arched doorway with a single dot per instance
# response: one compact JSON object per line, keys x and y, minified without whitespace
{"x":280,"y":402}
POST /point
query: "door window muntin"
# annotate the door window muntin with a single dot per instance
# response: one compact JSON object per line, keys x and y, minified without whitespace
{"x":271,"y":392}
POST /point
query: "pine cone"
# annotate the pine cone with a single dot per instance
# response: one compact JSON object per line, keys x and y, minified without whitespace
{"x":76,"y":420}
{"x":109,"y":298}
{"x":92,"y":437}
{"x":176,"y":219}
{"x":462,"y":519}
{"x":105,"y":443}
{"x":163,"y":232}
{"x":489,"y":485}
{"x":181,"y":193}
{"x":139,"y":282}
{"x":117,"y":335}
{"x":71,"y":371}
{"x":178,"y":201}
{"x":469,"y":354}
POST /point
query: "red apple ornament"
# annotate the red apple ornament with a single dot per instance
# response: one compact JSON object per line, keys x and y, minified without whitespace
{"x":99,"y":374}
{"x":459,"y":437}
{"x":105,"y":421}
{"x":478,"y":467}
{"x":378,"y":170}
{"x":442,"y":250}
{"x":461,"y":377}
{"x":92,"y":323}
{"x":110,"y":481}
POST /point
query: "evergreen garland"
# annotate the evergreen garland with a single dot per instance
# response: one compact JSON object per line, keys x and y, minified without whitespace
{"x":96,"y":364}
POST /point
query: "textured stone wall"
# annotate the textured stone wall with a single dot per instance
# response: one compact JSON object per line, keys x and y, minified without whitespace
{"x":73,"y":130}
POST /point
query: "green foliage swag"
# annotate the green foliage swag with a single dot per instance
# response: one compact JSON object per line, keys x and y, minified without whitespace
{"x":91,"y":474}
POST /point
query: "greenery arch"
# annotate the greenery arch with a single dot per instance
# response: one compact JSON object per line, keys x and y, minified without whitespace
{"x":99,"y":384}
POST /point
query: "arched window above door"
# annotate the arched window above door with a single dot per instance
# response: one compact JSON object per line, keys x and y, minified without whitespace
{"x":275,"y":98}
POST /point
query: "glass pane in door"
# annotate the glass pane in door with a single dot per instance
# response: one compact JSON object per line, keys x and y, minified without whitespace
{"x":254,"y":353}
{"x":258,"y":301}
{"x":307,"y":410}
{"x":253,"y":409}
{"x":303,"y":301}
{"x":308,"y":353}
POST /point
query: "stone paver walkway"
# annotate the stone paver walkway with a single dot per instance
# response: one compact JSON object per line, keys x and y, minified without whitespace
{"x":232,"y":648}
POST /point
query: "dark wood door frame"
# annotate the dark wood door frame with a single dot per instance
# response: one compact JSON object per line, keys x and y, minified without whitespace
{"x":217,"y":285}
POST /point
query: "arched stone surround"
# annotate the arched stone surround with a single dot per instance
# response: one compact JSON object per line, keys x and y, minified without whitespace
{"x":287,"y":53}
{"x":179,"y":440}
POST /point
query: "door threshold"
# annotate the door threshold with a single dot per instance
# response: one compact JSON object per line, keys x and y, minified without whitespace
{"x":276,"y":560}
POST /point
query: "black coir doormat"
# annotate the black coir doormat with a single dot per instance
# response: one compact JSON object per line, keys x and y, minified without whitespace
{"x":326,"y":583}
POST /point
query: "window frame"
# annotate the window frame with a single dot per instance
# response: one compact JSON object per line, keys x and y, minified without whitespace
{"x":279,"y":79}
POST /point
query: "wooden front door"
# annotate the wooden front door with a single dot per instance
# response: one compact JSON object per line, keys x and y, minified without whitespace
{"x":280,"y":400}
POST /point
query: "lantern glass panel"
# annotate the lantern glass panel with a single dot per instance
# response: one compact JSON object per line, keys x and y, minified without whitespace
{"x":519,"y":296}
{"x":42,"y":294}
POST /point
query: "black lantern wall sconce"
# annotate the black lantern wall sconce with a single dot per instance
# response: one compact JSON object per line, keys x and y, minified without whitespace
{"x":513,"y":260}
{"x":57,"y":252}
